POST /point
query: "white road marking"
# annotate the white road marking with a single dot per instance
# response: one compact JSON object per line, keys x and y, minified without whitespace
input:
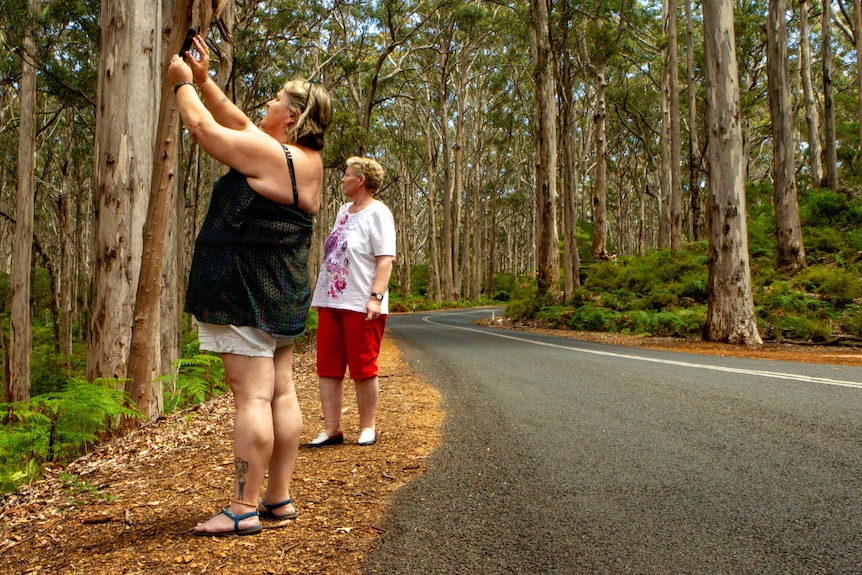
{"x":754,"y":372}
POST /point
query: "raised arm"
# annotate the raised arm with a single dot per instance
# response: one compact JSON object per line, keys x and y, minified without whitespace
{"x":223,"y":110}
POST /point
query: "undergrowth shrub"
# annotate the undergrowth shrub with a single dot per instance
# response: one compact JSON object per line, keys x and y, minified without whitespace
{"x":196,"y":379}
{"x":836,"y":285}
{"x":58,"y":427}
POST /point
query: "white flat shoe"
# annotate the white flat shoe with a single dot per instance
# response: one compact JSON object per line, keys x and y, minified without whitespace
{"x":367,"y":437}
{"x":323,"y":439}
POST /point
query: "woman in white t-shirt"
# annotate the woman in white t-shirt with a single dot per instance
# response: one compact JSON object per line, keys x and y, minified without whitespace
{"x":352,"y":301}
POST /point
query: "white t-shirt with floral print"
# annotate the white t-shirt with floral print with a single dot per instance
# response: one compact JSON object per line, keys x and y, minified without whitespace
{"x":350,"y":258}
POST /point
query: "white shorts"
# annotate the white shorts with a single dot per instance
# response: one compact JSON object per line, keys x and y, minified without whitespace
{"x":239,"y":340}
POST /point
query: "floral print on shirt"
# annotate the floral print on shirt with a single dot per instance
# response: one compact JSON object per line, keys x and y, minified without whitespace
{"x":337,"y":262}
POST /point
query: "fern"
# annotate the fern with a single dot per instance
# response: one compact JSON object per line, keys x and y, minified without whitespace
{"x":195,"y":380}
{"x":57,"y":427}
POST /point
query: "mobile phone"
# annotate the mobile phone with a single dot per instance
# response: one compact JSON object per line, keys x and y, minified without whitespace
{"x":187,"y":43}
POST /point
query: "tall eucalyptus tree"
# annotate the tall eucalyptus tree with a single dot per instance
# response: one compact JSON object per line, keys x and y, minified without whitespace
{"x":567,"y":70}
{"x":791,"y":253}
{"x":126,"y":117}
{"x":21,"y":330}
{"x":812,"y":119}
{"x":673,"y":148}
{"x":605,"y":23}
{"x":547,"y":254}
{"x":694,"y":161}
{"x":730,"y":307}
{"x":830,"y":153}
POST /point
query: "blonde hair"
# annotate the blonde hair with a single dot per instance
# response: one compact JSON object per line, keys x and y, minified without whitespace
{"x":369,"y":168}
{"x":314,"y":105}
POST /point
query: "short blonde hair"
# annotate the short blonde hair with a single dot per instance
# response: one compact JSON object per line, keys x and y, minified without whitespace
{"x":369,"y":168}
{"x":314,"y":105}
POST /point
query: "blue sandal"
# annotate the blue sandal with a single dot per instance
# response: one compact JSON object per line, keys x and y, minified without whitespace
{"x":236,"y":530}
{"x":268,"y":514}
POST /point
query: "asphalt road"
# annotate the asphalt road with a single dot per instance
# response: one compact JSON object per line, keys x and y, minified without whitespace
{"x":562,"y":456}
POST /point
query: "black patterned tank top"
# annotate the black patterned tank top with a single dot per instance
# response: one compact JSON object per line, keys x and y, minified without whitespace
{"x":250,"y":264}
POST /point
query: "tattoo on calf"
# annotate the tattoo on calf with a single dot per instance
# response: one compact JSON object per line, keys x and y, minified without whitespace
{"x":241,"y":468}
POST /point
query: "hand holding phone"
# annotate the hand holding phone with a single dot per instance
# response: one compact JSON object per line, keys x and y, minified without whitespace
{"x":187,"y":43}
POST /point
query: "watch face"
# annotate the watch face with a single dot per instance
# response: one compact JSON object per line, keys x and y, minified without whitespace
{"x":379,"y":296}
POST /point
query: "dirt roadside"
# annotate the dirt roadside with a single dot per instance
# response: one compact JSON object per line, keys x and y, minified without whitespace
{"x":130,"y":506}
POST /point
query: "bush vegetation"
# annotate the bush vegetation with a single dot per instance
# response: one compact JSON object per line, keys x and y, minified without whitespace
{"x":665,"y":294}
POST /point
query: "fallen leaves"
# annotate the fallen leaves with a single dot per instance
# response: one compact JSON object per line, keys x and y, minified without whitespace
{"x":138,"y":497}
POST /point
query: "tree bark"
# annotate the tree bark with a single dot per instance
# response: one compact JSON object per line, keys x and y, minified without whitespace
{"x":547,"y":254}
{"x":830,"y":153}
{"x":730,"y":307}
{"x":600,"y":184}
{"x":791,"y":253}
{"x":126,"y":117}
{"x":447,"y":259}
{"x":435,"y":285}
{"x":66,"y":247}
{"x":21,"y":331}
{"x":693,"y":146}
{"x":812,"y":120}
{"x":675,"y":221}
{"x":857,"y":19}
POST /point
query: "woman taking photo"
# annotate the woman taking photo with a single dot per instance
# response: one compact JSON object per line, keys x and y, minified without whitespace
{"x":248,"y":282}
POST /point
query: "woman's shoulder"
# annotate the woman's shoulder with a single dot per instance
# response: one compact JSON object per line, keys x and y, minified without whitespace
{"x":380,"y":209}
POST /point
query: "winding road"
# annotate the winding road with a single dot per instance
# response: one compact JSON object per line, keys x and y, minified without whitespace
{"x":560,"y":456}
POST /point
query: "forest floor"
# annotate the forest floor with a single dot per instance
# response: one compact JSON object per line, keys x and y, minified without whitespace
{"x":130,"y":506}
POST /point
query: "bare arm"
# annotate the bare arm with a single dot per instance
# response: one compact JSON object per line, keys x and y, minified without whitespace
{"x":223,"y":110}
{"x":226,"y":134}
{"x":379,"y":285}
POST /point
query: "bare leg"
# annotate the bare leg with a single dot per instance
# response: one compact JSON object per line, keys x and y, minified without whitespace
{"x":287,"y":424}
{"x":331,"y":402}
{"x":367,"y":392}
{"x":252,"y":383}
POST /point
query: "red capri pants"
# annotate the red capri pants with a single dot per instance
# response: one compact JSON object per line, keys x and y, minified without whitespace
{"x":345,"y":338}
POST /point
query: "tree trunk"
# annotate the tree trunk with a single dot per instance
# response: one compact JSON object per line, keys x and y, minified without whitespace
{"x":66,"y":247}
{"x":447,"y":260}
{"x":145,"y":351}
{"x":126,"y":117}
{"x":571,"y":258}
{"x":600,"y":185}
{"x":569,"y":170}
{"x":21,"y":331}
{"x":460,"y":237}
{"x":791,"y":253}
{"x":830,"y":153}
{"x":664,"y":178}
{"x":405,"y":247}
{"x":693,"y":146}
{"x":730,"y":307}
{"x":812,"y":119}
{"x":434,"y":288}
{"x":547,"y":254}
{"x":675,"y":220}
{"x":857,"y":18}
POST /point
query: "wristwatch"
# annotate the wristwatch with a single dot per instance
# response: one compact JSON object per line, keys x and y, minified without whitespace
{"x":377,"y":296}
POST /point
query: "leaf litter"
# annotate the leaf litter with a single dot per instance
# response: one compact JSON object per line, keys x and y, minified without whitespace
{"x":129,"y":507}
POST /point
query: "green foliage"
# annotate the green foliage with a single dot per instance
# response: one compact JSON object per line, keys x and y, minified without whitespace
{"x":57,"y":427}
{"x":661,"y":293}
{"x":837,"y":286}
{"x":852,"y":320}
{"x":504,"y":286}
{"x":419,"y":279}
{"x":197,"y":379}
{"x":800,"y":328}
